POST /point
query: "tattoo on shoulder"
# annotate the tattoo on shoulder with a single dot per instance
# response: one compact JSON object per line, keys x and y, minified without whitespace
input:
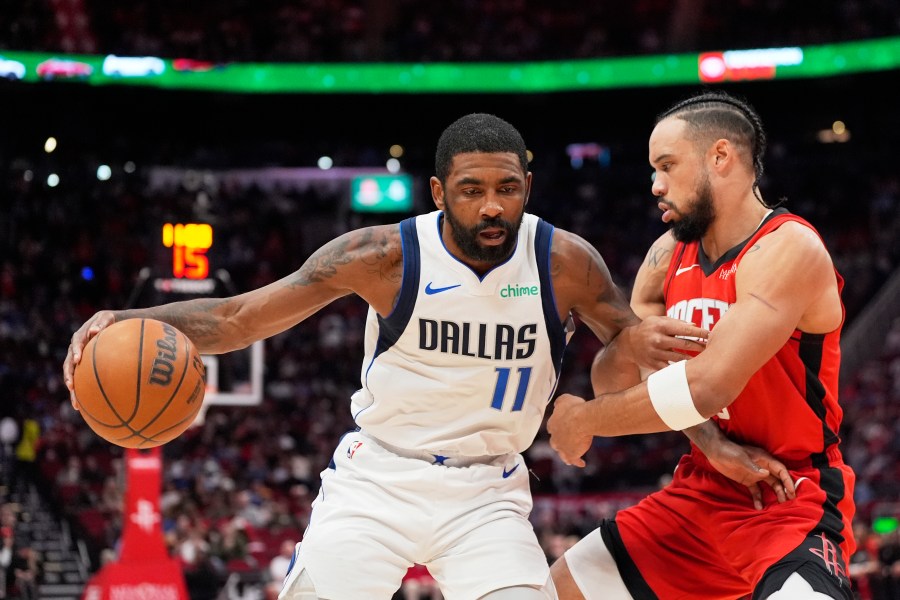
{"x":385,"y":257}
{"x":378,"y":248}
{"x":655,"y":255}
{"x":323,"y":264}
{"x":753,"y":248}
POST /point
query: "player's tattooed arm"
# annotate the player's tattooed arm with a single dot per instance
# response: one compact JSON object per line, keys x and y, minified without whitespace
{"x":583,"y":284}
{"x":325,"y":262}
{"x":367,"y":262}
{"x":197,"y":318}
{"x":221,"y":325}
{"x":657,"y":256}
{"x":647,"y":298}
{"x":371,"y":252}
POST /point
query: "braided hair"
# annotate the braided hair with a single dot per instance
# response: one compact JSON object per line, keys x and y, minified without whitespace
{"x":716,"y":114}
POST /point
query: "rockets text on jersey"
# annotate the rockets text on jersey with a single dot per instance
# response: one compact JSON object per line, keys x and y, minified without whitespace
{"x":702,"y":312}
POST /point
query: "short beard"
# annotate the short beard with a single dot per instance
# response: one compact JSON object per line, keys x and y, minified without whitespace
{"x":692,"y":226}
{"x":467,"y":239}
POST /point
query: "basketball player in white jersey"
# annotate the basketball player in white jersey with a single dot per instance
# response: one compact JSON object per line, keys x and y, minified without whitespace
{"x":471,"y":307}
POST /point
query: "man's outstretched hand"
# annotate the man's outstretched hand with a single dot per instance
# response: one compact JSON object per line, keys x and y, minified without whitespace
{"x":748,"y":465}
{"x":659,"y":341}
{"x":89,"y":329}
{"x":751,"y":466}
{"x":564,"y":427}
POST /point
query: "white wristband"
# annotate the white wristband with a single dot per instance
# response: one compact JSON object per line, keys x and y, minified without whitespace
{"x":671,"y":397}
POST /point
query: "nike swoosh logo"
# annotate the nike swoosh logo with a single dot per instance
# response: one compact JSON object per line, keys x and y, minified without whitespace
{"x":684,"y":269}
{"x":510,"y":472}
{"x":430,"y":290}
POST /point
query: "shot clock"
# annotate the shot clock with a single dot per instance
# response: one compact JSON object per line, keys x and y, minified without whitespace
{"x":189,"y":243}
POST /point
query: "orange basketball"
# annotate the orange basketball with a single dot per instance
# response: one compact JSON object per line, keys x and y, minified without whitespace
{"x":140,"y":383}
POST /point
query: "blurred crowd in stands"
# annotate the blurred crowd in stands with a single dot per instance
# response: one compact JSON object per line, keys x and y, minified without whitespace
{"x":410,"y":31}
{"x":238,"y":487}
{"x":240,"y":484}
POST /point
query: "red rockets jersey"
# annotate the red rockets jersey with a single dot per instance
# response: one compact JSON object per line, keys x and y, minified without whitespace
{"x":789,"y":407}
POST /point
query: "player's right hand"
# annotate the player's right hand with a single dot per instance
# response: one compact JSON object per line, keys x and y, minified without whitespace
{"x":91,"y":327}
{"x":750,"y":466}
{"x":564,"y":427}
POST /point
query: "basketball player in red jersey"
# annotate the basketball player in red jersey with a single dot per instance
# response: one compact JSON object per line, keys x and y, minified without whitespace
{"x":763,"y":282}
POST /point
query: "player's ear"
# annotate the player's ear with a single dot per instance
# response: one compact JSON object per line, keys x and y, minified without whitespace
{"x":721,"y":151}
{"x":437,"y":192}
{"x":527,"y":187}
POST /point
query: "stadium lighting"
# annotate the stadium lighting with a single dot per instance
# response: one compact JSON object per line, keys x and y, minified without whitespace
{"x":715,"y":65}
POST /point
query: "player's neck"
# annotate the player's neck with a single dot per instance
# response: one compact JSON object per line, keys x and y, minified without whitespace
{"x":733,"y":224}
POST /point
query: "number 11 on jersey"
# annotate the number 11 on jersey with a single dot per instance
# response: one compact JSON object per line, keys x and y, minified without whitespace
{"x":503,"y":382}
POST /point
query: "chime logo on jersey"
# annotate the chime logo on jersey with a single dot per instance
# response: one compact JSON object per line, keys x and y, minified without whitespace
{"x":702,"y":312}
{"x":517,"y":290}
{"x":495,"y":341}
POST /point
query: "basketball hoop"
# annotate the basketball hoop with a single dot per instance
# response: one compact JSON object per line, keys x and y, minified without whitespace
{"x":200,"y":419}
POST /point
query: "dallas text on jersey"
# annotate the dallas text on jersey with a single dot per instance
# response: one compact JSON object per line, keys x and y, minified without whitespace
{"x":502,"y":342}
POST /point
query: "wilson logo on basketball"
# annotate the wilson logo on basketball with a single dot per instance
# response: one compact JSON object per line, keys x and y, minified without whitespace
{"x":200,"y":388}
{"x":166,"y":355}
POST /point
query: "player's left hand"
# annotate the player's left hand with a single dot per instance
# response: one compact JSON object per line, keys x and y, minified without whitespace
{"x":659,"y":341}
{"x":750,"y":466}
{"x":564,"y":427}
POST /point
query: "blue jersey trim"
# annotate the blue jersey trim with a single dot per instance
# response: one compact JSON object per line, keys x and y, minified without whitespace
{"x":391,"y":327}
{"x":555,"y":329}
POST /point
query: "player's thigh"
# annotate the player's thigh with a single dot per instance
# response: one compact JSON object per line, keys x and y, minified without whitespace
{"x":343,"y":567}
{"x":588,"y":571}
{"x":298,"y":586}
{"x":365,"y":525}
{"x":801,"y":578}
{"x":490,"y":555}
{"x":797,"y":588}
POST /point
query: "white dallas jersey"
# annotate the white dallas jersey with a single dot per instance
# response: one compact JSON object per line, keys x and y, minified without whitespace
{"x":464,"y":365}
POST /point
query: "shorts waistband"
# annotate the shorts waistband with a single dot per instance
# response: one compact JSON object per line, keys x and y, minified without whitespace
{"x":433,"y":457}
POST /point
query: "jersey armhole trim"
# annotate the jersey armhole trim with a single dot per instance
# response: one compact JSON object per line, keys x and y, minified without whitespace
{"x":392,"y":326}
{"x":556,"y":332}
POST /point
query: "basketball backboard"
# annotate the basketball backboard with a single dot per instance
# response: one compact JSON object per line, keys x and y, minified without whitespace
{"x":236,"y":378}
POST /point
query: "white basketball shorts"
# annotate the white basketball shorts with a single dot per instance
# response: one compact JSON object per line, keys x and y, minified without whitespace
{"x":377,"y":513}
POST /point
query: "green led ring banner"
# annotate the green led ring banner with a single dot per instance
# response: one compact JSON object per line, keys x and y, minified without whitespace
{"x":416,"y":78}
